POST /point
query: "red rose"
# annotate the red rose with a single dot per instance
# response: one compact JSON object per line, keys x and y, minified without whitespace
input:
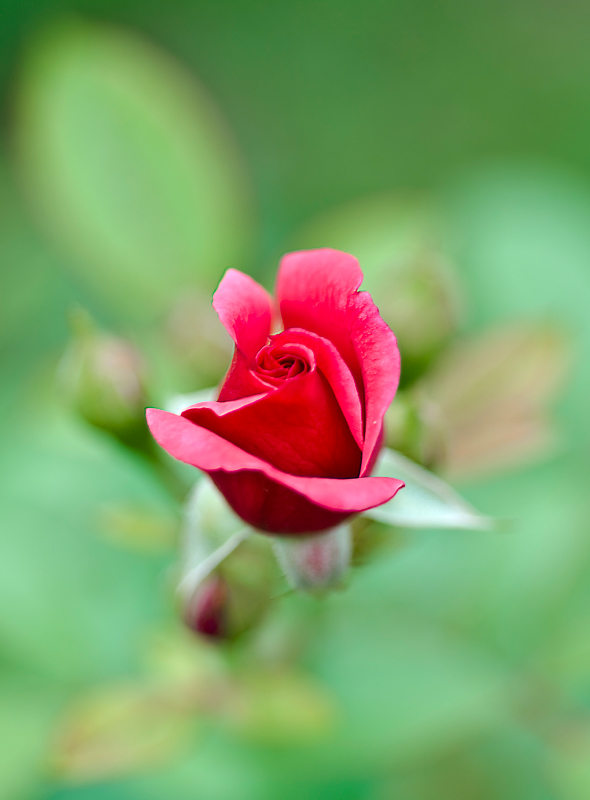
{"x":293,"y":437}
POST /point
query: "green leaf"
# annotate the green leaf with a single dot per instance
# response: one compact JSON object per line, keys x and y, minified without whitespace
{"x":179,"y":402}
{"x":27,"y":711}
{"x":280,"y":707}
{"x":72,"y":606}
{"x":513,"y":225}
{"x":426,"y":501}
{"x":128,"y":166}
{"x":119,"y":729}
{"x":138,"y":528}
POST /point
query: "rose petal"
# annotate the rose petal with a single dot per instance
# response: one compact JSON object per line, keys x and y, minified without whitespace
{"x":317,"y":291}
{"x":267,"y":506}
{"x":339,"y":376}
{"x":245,"y":309}
{"x":222,"y":408}
{"x":240,"y":380}
{"x":298,"y":427}
{"x":223,"y":460}
{"x":277,"y":377}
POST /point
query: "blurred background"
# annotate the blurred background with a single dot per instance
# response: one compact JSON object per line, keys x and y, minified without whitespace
{"x":147,"y":146}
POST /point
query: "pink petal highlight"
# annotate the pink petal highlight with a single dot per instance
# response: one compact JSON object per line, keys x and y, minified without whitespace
{"x":245,"y":309}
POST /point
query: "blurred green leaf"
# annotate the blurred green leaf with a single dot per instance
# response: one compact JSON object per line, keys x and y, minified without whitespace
{"x":196,"y":341}
{"x":569,"y":761}
{"x":491,"y":395}
{"x":406,"y":688}
{"x":507,"y":765}
{"x":138,"y":528}
{"x":35,"y":293}
{"x":71,"y":605}
{"x":425,"y":502}
{"x":27,"y":712}
{"x":120,"y":729}
{"x":540,"y":587}
{"x":520,"y":232}
{"x":280,"y":708}
{"x":128,"y":165}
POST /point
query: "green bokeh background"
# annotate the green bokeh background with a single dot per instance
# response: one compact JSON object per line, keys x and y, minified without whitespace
{"x":459,"y":664}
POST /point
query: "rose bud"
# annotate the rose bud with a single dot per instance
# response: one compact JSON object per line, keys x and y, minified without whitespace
{"x":235,"y":597}
{"x":103,"y":377}
{"x":421,"y":299}
{"x":298,"y":424}
{"x":206,"y":612}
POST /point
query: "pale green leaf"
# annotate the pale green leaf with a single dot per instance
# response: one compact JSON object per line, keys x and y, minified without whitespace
{"x":119,"y":729}
{"x":27,"y":711}
{"x":426,"y":501}
{"x":128,"y":166}
{"x":179,"y":402}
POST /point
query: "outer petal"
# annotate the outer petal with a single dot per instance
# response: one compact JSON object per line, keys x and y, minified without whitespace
{"x":298,"y":427}
{"x":317,"y":291}
{"x":245,"y":309}
{"x":263,"y":495}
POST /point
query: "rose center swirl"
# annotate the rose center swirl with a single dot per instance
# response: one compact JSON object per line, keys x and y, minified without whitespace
{"x":282,"y":362}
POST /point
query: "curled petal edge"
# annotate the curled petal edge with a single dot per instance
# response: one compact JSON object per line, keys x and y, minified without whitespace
{"x":188,"y":442}
{"x":245,"y":309}
{"x":317,"y":290}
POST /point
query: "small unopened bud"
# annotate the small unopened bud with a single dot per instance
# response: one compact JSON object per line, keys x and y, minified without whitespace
{"x":103,"y":377}
{"x":206,"y":611}
{"x":414,"y":427}
{"x":420,"y":303}
{"x":315,"y":562}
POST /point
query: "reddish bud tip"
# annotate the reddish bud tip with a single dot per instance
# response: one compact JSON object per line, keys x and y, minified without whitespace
{"x":206,"y":612}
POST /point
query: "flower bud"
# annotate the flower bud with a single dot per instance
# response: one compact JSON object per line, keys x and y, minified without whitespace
{"x":206,"y":612}
{"x":236,"y":597}
{"x":419,"y":301}
{"x":315,"y":562}
{"x":103,"y":377}
{"x":414,"y":427}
